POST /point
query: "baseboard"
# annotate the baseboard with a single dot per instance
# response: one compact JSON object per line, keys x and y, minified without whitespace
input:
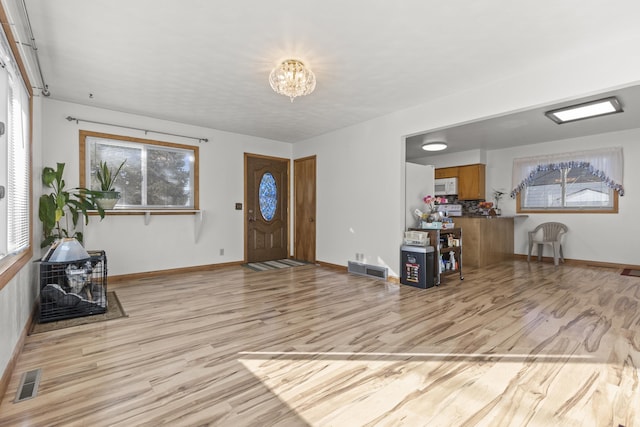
{"x":341,"y":268}
{"x":582,"y":262}
{"x":8,"y":371}
{"x":122,"y":278}
{"x":393,"y":279}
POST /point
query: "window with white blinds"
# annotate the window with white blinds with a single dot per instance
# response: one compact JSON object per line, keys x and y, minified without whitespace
{"x":14,"y":156}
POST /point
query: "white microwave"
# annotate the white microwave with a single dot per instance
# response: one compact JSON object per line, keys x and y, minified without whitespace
{"x":446,"y":186}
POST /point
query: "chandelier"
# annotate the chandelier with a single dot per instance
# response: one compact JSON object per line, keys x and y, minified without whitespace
{"x":292,"y":79}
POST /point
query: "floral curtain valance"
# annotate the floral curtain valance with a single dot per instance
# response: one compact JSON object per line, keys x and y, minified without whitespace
{"x":607,"y":163}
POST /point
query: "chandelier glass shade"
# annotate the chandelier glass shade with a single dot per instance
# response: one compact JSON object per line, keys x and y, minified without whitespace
{"x":292,"y":79}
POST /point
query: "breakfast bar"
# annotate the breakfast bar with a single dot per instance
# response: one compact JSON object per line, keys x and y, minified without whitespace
{"x":487,"y":239}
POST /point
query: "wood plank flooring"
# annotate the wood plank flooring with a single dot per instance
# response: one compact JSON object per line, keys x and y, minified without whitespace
{"x":514,"y":345}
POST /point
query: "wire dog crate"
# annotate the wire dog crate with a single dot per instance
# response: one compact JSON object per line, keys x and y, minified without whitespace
{"x":73,"y":289}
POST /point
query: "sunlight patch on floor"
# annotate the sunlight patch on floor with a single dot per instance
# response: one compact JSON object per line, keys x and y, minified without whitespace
{"x":356,"y":388}
{"x":329,"y":391}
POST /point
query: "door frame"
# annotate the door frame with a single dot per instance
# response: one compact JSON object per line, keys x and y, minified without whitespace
{"x":246,"y":197}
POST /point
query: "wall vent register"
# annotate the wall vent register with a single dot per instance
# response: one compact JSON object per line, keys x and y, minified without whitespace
{"x":367,"y":270}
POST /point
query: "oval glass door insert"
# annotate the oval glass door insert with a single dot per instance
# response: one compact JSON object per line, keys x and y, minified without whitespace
{"x":268,"y":196}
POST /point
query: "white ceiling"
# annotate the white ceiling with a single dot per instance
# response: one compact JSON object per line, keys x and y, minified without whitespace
{"x":206,"y":62}
{"x":528,"y":127}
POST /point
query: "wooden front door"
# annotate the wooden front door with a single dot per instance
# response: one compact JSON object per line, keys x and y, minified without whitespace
{"x":266,"y":208}
{"x":304,"y":172}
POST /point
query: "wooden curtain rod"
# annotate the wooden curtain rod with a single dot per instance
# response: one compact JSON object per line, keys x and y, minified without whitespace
{"x":146,"y":131}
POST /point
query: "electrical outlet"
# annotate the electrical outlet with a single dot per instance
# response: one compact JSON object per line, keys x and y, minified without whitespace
{"x":221,"y":251}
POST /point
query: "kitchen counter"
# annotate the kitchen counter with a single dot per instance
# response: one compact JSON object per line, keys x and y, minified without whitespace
{"x":486,"y":240}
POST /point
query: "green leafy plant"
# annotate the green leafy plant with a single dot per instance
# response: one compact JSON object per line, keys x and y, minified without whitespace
{"x":107,"y":177}
{"x":62,"y":204}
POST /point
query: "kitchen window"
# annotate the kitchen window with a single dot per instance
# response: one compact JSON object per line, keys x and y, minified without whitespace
{"x":156,"y":175}
{"x":588,"y":182}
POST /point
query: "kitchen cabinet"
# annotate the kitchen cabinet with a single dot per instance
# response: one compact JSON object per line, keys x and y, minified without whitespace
{"x":446,"y":172}
{"x":471,"y":182}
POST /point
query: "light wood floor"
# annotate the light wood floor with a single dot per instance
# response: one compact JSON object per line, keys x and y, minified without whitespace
{"x":513,"y":345}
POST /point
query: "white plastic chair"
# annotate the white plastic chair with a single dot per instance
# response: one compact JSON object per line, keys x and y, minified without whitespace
{"x":552,"y":233}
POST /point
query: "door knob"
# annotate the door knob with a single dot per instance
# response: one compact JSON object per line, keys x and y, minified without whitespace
{"x":310,"y":219}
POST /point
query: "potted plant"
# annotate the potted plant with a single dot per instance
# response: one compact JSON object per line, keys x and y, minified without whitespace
{"x":62,"y":203}
{"x":107,"y":195}
{"x":497,"y":195}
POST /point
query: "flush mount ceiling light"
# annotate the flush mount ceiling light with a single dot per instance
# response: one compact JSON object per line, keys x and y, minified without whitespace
{"x":292,"y":79}
{"x":587,"y":110}
{"x":434,"y":146}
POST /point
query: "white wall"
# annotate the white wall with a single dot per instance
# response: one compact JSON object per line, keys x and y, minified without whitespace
{"x":16,"y":302}
{"x":591,"y":237}
{"x":360,"y":193}
{"x":168,"y":241}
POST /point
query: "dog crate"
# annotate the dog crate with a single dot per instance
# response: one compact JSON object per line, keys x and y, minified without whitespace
{"x":73,"y":289}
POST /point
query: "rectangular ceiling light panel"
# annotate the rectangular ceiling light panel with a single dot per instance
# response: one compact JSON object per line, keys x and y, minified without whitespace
{"x":587,"y":110}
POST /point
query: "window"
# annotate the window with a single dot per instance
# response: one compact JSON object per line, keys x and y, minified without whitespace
{"x":15,"y":149}
{"x":156,"y":175}
{"x":268,"y":196}
{"x":575,"y":182}
{"x":567,"y":189}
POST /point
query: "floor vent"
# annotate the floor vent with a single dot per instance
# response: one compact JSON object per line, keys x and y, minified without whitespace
{"x":28,"y":385}
{"x":367,"y":270}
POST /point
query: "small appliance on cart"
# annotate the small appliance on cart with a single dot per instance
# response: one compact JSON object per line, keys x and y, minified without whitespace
{"x":416,"y":260}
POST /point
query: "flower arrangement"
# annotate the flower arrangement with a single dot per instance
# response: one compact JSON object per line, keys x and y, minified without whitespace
{"x":432,"y":201}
